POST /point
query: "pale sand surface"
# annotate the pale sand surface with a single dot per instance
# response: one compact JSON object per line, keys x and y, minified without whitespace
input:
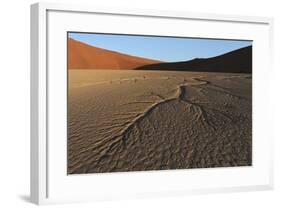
{"x":126,"y":120}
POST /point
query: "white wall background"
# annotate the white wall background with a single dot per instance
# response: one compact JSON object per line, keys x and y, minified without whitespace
{"x":14,"y":102}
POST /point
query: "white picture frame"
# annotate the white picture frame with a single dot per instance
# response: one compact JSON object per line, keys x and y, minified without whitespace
{"x":49,"y":182}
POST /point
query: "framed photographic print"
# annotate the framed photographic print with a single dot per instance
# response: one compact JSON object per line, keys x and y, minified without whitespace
{"x":133,"y":103}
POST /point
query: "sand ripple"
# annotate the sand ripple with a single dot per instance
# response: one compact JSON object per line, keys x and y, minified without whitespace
{"x":136,"y":121}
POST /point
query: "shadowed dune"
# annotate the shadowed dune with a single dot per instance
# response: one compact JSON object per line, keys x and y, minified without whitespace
{"x":83,"y":56}
{"x":238,"y":61}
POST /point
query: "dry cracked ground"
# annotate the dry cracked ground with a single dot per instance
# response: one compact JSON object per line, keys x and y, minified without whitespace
{"x":151,"y":120}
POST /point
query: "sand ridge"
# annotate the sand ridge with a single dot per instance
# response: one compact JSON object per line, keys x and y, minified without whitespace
{"x":83,"y":56}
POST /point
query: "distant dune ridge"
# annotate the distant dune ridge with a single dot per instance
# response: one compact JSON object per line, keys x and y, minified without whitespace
{"x":83,"y":56}
{"x":237,"y":61}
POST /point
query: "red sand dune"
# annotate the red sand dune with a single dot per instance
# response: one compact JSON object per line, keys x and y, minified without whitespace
{"x":83,"y":56}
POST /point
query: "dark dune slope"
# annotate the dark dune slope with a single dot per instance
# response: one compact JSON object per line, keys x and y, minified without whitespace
{"x":238,"y":61}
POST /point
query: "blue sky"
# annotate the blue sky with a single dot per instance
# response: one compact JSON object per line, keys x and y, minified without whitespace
{"x":161,"y":48}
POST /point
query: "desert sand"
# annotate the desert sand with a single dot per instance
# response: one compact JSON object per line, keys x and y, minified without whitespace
{"x":134,"y":120}
{"x":84,"y":56}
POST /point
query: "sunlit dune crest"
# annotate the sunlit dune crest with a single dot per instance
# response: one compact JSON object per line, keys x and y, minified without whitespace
{"x":83,"y":56}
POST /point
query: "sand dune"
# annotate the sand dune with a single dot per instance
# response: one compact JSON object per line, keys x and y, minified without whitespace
{"x":83,"y":56}
{"x":238,"y":61}
{"x":155,"y":120}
